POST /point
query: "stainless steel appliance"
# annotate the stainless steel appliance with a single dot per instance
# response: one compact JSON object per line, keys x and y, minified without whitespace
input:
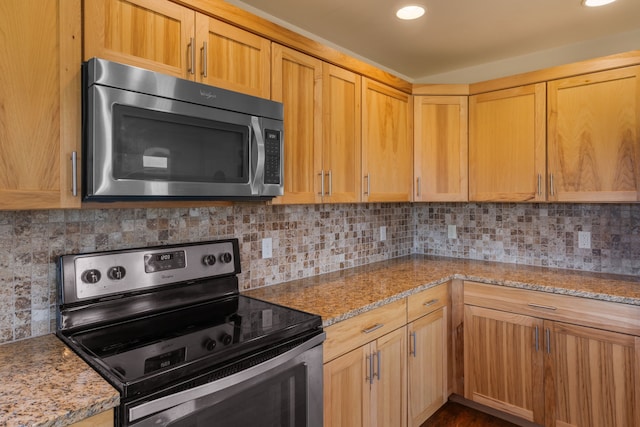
{"x":167,"y":327}
{"x":147,"y":135}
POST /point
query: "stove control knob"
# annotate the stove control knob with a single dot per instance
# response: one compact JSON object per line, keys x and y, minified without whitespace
{"x":91,"y":276}
{"x":209,"y":260}
{"x":116,"y":273}
{"x":226,"y":257}
{"x":209,"y":344}
{"x":226,"y":339}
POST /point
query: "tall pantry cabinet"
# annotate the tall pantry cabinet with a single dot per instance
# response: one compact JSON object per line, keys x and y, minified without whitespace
{"x":40,"y":46}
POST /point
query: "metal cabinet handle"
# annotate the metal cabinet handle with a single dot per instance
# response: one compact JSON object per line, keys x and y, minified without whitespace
{"x":428,"y":303}
{"x":373,"y":328}
{"x":547,"y":336}
{"x":74,"y":173}
{"x":551,"y":185}
{"x":419,"y":187}
{"x":377,"y":356}
{"x":330,"y":183}
{"x":539,"y":184}
{"x":191,"y":59}
{"x":203,"y":52}
{"x":412,"y":352}
{"x":368,"y":178}
{"x":321,"y":174}
{"x":537,"y":339}
{"x":544,"y":307}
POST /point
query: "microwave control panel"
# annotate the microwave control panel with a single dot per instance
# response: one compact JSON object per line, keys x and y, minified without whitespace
{"x":272,"y":157}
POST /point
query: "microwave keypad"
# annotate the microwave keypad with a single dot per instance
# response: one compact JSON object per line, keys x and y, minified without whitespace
{"x":272,"y":157}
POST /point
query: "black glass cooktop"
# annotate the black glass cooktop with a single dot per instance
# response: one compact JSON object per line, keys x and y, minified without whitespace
{"x":191,"y":339}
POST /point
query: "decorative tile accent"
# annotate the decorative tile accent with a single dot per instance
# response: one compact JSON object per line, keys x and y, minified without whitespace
{"x":307,"y":240}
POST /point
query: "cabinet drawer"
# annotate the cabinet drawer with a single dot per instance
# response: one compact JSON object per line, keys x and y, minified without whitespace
{"x":344,"y":336}
{"x":427,"y":301}
{"x":624,"y":318}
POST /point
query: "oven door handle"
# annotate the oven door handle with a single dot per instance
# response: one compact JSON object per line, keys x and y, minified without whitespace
{"x":166,"y":402}
{"x":256,"y":182}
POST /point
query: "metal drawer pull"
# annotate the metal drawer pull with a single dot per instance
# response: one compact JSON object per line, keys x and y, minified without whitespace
{"x":545,"y":307}
{"x":373,"y":328}
{"x":433,"y":301}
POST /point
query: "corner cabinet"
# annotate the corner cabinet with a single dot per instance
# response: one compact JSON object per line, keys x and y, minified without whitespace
{"x":387,"y":143}
{"x":40,"y":104}
{"x":594,"y":137}
{"x":507,"y":151}
{"x":440,"y":148}
{"x":163,"y":36}
{"x":555,"y":360}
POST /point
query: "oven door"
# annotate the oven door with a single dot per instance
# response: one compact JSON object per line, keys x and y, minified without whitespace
{"x":142,"y":146}
{"x":285,"y":391}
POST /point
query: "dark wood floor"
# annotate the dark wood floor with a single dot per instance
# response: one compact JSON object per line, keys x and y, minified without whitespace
{"x":453,"y":414}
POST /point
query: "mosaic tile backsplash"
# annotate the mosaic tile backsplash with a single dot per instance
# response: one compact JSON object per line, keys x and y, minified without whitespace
{"x":308,"y":240}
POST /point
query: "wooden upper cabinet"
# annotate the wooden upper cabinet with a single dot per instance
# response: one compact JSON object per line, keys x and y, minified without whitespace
{"x":297,"y":83}
{"x":387,"y":143}
{"x":232,"y":58}
{"x":440,"y":148}
{"x":152,"y":34}
{"x":341,"y":147}
{"x":39,"y":103}
{"x":594,"y":137}
{"x":507,"y":135}
{"x":163,"y":36}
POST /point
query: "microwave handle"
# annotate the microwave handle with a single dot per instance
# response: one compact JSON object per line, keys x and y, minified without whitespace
{"x":259,"y":141}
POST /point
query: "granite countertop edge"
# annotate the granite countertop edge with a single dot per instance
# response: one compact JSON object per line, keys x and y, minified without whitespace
{"x":310,"y":294}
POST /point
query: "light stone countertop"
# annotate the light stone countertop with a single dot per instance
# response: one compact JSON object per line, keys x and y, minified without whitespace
{"x":346,"y":293}
{"x":44,"y":383}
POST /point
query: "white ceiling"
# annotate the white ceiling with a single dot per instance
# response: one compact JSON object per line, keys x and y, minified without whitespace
{"x":461,"y":41}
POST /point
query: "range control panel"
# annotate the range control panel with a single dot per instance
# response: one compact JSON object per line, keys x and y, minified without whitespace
{"x":94,"y":275}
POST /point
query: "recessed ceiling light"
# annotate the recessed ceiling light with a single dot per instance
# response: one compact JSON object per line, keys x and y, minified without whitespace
{"x":596,"y":3}
{"x":410,"y":12}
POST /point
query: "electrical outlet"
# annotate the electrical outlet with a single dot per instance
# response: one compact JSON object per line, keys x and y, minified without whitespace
{"x":452,"y":232}
{"x":584,"y":240}
{"x":383,"y":233}
{"x":267,"y":248}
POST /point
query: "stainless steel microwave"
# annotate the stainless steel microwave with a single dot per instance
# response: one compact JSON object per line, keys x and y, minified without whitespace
{"x":147,"y":135}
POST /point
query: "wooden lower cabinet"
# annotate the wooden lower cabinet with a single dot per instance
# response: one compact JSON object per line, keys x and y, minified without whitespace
{"x":103,"y":419}
{"x":551,"y":372}
{"x":592,"y":377}
{"x":367,"y":386}
{"x":427,"y":366}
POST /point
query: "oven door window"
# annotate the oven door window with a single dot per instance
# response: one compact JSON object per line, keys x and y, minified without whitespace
{"x":273,"y":401}
{"x":154,"y":145}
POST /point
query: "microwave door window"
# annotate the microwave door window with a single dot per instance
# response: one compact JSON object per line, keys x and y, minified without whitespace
{"x":159,"y":146}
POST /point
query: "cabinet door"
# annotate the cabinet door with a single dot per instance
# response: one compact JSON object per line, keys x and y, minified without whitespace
{"x":152,"y":34}
{"x":593,"y":377}
{"x":387,"y":146}
{"x":232,"y":58}
{"x":594,"y":137}
{"x":389,"y":401}
{"x":347,"y":389}
{"x":440,"y":148}
{"x":507,"y":145}
{"x":503,"y":362}
{"x":341,"y":147}
{"x":39,"y":102}
{"x":297,"y":83}
{"x":427,"y":366}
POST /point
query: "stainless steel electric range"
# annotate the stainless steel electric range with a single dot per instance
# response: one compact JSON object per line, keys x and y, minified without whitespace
{"x":168,"y":328}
